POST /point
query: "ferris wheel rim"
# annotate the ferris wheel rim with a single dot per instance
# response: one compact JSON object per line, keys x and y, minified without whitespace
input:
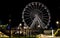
{"x":27,"y":7}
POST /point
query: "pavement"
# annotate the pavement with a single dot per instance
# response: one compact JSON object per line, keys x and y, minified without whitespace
{"x":3,"y":35}
{"x":38,"y":36}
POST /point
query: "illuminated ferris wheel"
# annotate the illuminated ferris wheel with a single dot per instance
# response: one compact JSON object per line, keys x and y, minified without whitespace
{"x":36,"y":14}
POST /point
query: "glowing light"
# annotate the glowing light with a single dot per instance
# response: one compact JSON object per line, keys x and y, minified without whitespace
{"x":57,"y":22}
{"x":20,"y":24}
{"x":9,"y":20}
{"x":38,"y":25}
{"x":20,"y":32}
{"x":25,"y":27}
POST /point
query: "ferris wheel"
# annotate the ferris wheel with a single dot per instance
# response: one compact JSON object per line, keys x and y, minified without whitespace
{"x":36,"y":14}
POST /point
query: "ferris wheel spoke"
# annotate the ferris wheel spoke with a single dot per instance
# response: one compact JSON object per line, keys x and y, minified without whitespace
{"x":30,"y":6}
{"x":45,"y":21}
{"x":45,"y":16}
{"x":33,"y":5}
{"x":37,"y":5}
{"x":27,"y":21}
{"x":42,"y":8}
{"x":30,"y":23}
{"x":26,"y":18}
{"x":29,"y":9}
{"x":45,"y":13}
{"x":26,"y":13}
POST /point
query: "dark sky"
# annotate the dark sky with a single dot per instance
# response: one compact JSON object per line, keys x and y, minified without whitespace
{"x":15,"y":10}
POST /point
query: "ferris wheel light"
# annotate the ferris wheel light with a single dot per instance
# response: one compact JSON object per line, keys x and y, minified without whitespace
{"x":57,"y":22}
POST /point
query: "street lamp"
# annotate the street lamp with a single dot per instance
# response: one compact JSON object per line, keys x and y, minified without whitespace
{"x":57,"y":22}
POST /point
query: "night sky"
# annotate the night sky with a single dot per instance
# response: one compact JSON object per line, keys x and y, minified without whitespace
{"x":14,"y":11}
